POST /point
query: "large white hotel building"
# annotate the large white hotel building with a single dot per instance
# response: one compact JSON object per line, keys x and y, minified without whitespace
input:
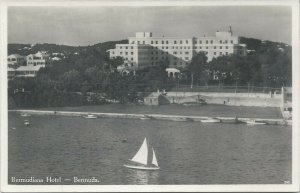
{"x":144,"y":50}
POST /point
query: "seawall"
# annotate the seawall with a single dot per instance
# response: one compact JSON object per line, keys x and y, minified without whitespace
{"x":153,"y":116}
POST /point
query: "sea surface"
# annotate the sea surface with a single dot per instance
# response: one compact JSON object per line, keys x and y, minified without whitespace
{"x":187,"y":152}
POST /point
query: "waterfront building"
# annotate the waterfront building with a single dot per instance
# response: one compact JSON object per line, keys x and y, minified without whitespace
{"x":15,"y":60}
{"x":145,"y":50}
{"x":40,"y":59}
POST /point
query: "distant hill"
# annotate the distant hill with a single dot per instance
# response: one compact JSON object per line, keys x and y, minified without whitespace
{"x":26,"y":49}
{"x":257,"y":44}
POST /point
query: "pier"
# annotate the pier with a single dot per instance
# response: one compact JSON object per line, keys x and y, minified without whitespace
{"x":233,"y":120}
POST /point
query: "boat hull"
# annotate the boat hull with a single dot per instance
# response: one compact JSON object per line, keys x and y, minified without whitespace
{"x":141,"y":167}
{"x":90,"y":117}
{"x":25,"y":115}
{"x":255,"y":123}
{"x":145,"y":118}
{"x":210,"y":121}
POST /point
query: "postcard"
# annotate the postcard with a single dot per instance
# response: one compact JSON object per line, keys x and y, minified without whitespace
{"x":149,"y":96}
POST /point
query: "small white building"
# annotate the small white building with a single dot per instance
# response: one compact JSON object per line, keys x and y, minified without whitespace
{"x":40,"y":59}
{"x":27,"y":71}
{"x":173,"y":72}
{"x":56,"y":59}
{"x":15,"y":60}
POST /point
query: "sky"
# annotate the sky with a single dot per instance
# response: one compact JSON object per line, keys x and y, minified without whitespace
{"x":91,"y":25}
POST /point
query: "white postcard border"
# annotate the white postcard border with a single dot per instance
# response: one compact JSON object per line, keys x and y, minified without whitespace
{"x":5,"y":187}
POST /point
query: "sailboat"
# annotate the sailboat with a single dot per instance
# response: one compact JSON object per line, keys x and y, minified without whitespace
{"x":141,"y":157}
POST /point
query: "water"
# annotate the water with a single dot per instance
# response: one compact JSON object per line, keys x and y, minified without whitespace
{"x":187,"y":152}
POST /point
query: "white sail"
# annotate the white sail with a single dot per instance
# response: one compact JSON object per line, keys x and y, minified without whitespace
{"x":142,"y":155}
{"x":154,"y":160}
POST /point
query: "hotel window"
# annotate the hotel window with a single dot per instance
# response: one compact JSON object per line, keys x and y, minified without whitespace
{"x":174,"y":52}
{"x":215,"y":47}
{"x":162,"y":42}
{"x":126,"y":47}
{"x":186,"y":58}
{"x":167,"y":42}
{"x":113,"y":52}
{"x":172,"y":47}
{"x":220,"y":53}
{"x":184,"y":47}
{"x":200,"y":47}
{"x":211,"y":41}
{"x":167,"y":47}
{"x":121,"y":53}
{"x":156,"y":42}
{"x":143,"y":42}
{"x":195,"y":47}
{"x":206,"y":47}
{"x":215,"y":53}
{"x":151,"y":42}
{"x":120,"y":47}
{"x":220,"y":41}
{"x":195,"y":42}
{"x":226,"y":53}
{"x":188,"y":47}
{"x":206,"y":41}
{"x":187,"y":41}
{"x":226,"y":47}
{"x":225,"y":41}
{"x":180,"y":41}
{"x":175,"y":42}
{"x":232,"y":41}
{"x":186,"y":52}
{"x":131,"y":59}
{"x":180,"y":52}
{"x":200,"y":42}
{"x":132,"y":42}
{"x":131,"y":53}
{"x":220,"y":47}
{"x":138,"y":42}
{"x":163,"y":47}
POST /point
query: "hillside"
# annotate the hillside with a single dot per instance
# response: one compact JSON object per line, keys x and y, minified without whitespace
{"x":259,"y":45}
{"x":26,"y":49}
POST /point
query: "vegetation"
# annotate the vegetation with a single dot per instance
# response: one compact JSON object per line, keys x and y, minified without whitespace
{"x":90,"y":77}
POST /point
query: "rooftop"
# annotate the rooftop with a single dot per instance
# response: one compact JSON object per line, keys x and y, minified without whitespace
{"x":28,"y":68}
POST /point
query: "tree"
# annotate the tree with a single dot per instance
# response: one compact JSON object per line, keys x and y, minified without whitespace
{"x":198,"y":68}
{"x":115,"y":62}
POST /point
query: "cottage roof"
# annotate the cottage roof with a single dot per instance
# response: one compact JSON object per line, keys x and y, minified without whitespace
{"x":15,"y":56}
{"x":28,"y":68}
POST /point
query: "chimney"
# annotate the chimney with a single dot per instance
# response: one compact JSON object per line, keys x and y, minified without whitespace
{"x":230,"y":29}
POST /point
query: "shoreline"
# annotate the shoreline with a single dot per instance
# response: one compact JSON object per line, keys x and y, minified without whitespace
{"x":183,"y":118}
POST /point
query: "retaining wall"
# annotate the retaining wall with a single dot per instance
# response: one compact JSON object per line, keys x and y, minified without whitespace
{"x":232,"y":99}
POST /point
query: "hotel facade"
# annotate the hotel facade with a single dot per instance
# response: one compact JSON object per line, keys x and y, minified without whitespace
{"x":145,"y":50}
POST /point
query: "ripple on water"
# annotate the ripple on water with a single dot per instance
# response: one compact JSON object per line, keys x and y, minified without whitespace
{"x":188,"y":153}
